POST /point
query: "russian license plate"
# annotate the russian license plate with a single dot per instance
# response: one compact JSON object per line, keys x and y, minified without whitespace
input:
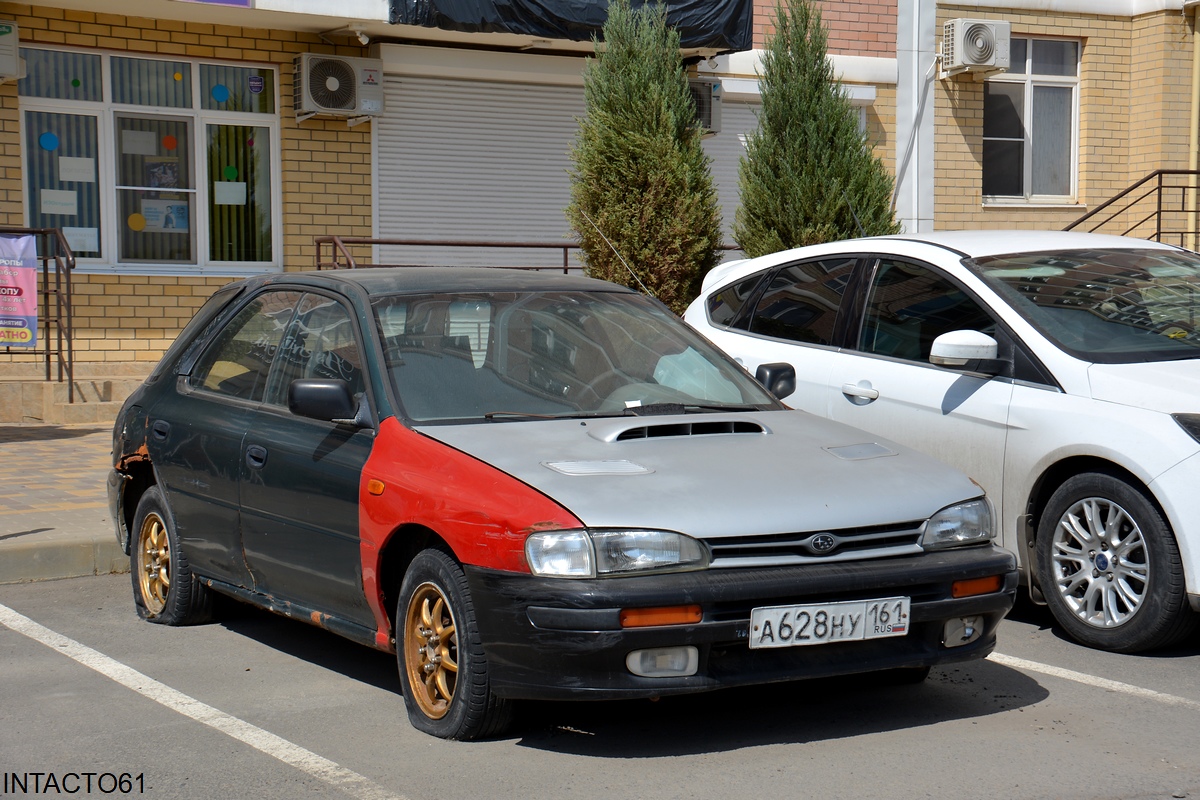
{"x":822,"y":623}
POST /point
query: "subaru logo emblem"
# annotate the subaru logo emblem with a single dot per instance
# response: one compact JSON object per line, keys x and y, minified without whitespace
{"x":822,"y":543}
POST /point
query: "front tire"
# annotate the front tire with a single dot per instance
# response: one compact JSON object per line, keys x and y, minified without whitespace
{"x":1109,"y":567}
{"x":164,"y":589}
{"x":443,"y":669}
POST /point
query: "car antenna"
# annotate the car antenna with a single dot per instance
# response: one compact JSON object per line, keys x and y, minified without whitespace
{"x":846,"y":197}
{"x":616,"y":252}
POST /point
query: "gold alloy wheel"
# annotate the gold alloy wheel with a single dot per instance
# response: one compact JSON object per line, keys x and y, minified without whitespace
{"x":431,"y":650}
{"x":154,"y":563}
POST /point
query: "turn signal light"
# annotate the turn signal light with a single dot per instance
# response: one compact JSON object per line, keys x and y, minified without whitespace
{"x":976,"y":586}
{"x":668,"y":615}
{"x":375,"y":487}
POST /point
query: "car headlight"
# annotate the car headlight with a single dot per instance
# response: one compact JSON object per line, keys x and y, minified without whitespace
{"x":590,"y":553}
{"x":965,"y":523}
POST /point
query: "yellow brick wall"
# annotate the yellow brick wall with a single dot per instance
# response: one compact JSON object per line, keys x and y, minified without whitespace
{"x":1134,"y":81}
{"x":326,"y":172}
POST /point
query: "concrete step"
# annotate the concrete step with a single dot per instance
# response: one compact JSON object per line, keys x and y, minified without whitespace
{"x":98,"y":396}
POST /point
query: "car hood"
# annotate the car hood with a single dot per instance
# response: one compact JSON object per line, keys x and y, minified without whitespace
{"x":716,"y":475}
{"x":1168,"y":386}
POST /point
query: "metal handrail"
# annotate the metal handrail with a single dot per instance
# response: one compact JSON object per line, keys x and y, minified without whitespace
{"x":1155,"y":191}
{"x":60,"y":293}
{"x":340,"y":256}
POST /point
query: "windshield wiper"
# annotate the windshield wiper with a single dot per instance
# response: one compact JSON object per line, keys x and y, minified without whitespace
{"x":657,"y":409}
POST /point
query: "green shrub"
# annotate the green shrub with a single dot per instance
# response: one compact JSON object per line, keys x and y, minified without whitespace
{"x":640,"y":178}
{"x":808,"y":171}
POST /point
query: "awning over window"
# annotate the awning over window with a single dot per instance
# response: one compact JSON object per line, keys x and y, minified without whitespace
{"x":721,"y":25}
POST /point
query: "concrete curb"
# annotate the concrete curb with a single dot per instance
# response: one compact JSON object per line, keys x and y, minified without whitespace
{"x":44,"y":559}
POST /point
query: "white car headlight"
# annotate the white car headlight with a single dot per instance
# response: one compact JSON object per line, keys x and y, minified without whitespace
{"x":595,"y":553}
{"x":965,"y":523}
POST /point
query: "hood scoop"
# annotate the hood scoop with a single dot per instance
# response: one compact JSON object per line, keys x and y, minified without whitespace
{"x":702,"y":427}
{"x":615,"y":467}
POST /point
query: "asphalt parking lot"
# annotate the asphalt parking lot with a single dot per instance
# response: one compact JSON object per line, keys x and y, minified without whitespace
{"x":257,"y":704}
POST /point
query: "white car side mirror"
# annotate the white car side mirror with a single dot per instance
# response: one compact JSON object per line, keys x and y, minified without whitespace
{"x":956,"y":348}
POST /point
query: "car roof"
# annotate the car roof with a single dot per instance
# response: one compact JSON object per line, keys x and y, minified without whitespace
{"x":977,"y":243}
{"x":419,"y":280}
{"x":963,"y":244}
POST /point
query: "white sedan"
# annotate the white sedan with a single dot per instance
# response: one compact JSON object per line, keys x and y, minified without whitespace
{"x":1060,"y":370}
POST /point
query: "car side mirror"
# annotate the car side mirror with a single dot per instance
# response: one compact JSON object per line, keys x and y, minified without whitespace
{"x":969,"y":351}
{"x":779,"y":378}
{"x":326,"y":400}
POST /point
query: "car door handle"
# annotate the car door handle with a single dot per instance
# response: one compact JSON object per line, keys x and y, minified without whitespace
{"x":161,"y":428}
{"x":861,"y":389}
{"x":256,"y":456}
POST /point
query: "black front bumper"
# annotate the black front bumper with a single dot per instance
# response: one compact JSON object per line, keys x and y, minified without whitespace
{"x":551,"y":638}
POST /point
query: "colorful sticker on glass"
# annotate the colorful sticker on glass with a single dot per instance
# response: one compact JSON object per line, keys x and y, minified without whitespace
{"x":256,"y":84}
{"x":18,"y":291}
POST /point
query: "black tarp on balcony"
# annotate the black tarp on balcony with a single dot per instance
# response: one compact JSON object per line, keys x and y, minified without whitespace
{"x":722,"y":25}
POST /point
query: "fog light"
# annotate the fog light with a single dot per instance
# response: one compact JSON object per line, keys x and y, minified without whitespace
{"x":963,"y":630}
{"x":664,"y":662}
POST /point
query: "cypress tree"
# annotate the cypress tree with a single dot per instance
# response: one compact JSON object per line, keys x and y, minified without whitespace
{"x":640,"y":178}
{"x":808,"y":174}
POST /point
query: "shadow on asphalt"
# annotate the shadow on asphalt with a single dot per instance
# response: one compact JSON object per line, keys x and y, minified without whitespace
{"x":310,"y":643}
{"x":803,"y":711}
{"x":1026,"y":611}
{"x":786,"y":713}
{"x":41,"y":433}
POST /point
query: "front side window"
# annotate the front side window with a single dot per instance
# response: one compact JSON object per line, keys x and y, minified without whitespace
{"x":238,"y":361}
{"x":321,"y":344}
{"x":910,"y":305}
{"x":146,"y":162}
{"x":1030,"y":123}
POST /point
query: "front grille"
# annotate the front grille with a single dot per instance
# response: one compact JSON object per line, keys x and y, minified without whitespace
{"x":816,"y":547}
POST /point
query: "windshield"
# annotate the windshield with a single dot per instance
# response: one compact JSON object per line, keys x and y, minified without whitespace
{"x":516,"y":355}
{"x":1109,"y":306}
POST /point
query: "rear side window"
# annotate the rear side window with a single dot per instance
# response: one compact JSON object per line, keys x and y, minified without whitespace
{"x":800,"y":303}
{"x":726,"y":305}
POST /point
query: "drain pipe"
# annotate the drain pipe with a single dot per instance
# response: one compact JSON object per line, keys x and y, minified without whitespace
{"x":1194,"y":123}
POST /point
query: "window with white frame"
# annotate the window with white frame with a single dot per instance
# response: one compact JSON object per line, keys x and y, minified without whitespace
{"x":1030,"y":123}
{"x":148,"y":162}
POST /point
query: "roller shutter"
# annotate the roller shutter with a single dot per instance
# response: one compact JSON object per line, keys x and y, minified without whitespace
{"x":477,"y":161}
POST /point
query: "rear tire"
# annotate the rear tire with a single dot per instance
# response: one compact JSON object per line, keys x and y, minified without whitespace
{"x":443,"y":669}
{"x":1109,"y":567}
{"x":164,"y":589}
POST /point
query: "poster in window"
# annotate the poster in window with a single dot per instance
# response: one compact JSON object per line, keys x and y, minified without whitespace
{"x":162,"y":173}
{"x":18,"y":291}
{"x":165,"y":216}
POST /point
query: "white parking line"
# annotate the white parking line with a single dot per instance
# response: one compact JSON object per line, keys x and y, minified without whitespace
{"x":1092,"y":680}
{"x":277,"y":747}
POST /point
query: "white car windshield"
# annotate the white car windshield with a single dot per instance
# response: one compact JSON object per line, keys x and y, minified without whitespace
{"x":512,"y":355}
{"x":1105,"y":305}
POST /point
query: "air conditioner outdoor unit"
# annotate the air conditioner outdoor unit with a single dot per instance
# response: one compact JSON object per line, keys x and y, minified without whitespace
{"x":974,"y":45}
{"x":706,"y":94}
{"x":337,"y":86}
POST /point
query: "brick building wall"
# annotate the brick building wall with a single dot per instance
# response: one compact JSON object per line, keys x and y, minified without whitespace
{"x":1133,"y":115}
{"x":326,"y":173}
{"x":866,"y":28}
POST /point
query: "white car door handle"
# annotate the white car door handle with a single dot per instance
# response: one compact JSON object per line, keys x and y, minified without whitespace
{"x":859,"y":390}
